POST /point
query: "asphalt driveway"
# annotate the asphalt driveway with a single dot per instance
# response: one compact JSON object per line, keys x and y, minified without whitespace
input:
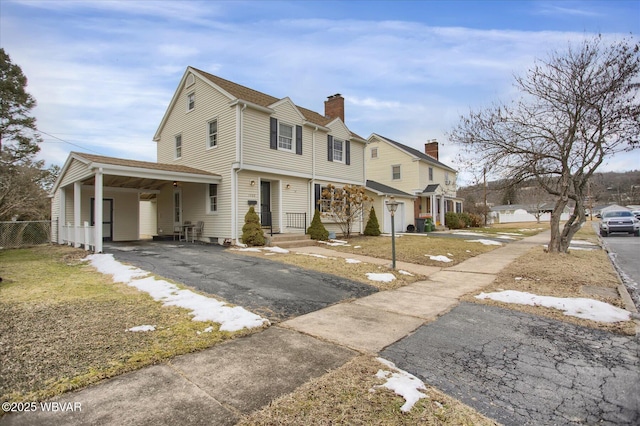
{"x":273,"y":290}
{"x":521,"y":369}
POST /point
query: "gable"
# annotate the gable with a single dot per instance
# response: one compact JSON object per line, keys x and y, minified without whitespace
{"x":286,"y":111}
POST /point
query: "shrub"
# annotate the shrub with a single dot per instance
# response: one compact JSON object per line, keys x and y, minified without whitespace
{"x":373,"y":227}
{"x":465,"y":218}
{"x":452,"y":221}
{"x":316,"y":230}
{"x":252,"y":234}
{"x":477,"y":220}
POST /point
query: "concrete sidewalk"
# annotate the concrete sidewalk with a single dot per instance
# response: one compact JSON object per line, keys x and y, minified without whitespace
{"x":220,"y":384}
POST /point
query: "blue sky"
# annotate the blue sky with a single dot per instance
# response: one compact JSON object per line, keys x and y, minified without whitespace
{"x":103,"y":72}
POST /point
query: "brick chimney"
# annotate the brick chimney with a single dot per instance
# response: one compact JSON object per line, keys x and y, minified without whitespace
{"x":334,"y":107}
{"x":431,"y":148}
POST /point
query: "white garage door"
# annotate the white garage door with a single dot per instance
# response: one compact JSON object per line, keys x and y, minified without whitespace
{"x":399,"y":219}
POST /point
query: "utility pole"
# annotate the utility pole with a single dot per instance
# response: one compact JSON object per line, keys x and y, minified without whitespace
{"x":484,"y":176}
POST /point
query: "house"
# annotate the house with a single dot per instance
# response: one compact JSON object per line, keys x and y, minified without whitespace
{"x":221,"y":148}
{"x":381,"y":194}
{"x":513,"y":213}
{"x":422,"y":175}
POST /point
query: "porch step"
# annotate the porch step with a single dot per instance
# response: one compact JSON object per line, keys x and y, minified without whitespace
{"x":287,"y":241}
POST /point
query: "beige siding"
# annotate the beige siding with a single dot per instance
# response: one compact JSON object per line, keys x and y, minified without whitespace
{"x":55,"y":215}
{"x":165,"y":210}
{"x":256,"y":138}
{"x":126,"y":215}
{"x":383,"y":215}
{"x":337,"y":170}
{"x":148,"y":218}
{"x":380,"y":169}
{"x":76,"y":171}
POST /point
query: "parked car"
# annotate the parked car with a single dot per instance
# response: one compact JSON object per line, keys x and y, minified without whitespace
{"x":619,"y":221}
{"x":636,"y":213}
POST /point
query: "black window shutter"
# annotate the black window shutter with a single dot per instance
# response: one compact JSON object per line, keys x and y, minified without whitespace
{"x":347,"y":152}
{"x":317,"y":196}
{"x":274,"y":134}
{"x":299,"y":140}
{"x":330,"y":147}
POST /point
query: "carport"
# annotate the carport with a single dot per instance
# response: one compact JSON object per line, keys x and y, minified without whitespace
{"x":94,"y":189}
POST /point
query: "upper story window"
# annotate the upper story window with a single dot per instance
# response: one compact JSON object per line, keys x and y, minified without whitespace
{"x":178,"y":146}
{"x":212,"y":199}
{"x":338,"y":150}
{"x":447,"y":181}
{"x":191,"y":101}
{"x":285,"y":137}
{"x":190,"y":80}
{"x":430,"y":174}
{"x":395,"y":172}
{"x":212,"y":133}
{"x":374,"y":152}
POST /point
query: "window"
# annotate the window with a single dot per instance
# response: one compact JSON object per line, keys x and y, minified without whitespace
{"x":212,"y":133}
{"x":395,"y":172}
{"x":191,"y":101}
{"x":285,"y":137}
{"x":374,"y":152}
{"x":212,"y":198}
{"x":338,"y":146}
{"x":446,"y":178}
{"x":178,"y":146}
{"x":430,"y":174}
{"x":190,"y":80}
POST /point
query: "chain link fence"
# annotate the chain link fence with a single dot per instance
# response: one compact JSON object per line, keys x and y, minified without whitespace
{"x":24,"y":234}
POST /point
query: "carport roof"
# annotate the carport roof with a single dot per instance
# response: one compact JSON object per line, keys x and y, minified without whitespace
{"x":382,"y":189}
{"x":143,"y":175}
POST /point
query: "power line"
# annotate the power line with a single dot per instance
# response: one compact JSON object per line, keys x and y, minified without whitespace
{"x":70,"y":143}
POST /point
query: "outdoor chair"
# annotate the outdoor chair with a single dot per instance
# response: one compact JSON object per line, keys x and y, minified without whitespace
{"x":197,"y":231}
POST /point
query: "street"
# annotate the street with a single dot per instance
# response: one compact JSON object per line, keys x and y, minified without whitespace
{"x":521,"y":369}
{"x":624,"y":249}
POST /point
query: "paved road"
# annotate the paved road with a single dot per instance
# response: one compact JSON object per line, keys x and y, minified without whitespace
{"x":271,"y":289}
{"x":522,"y":369}
{"x":625,"y":251}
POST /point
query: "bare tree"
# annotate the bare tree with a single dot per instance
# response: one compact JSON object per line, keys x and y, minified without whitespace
{"x":576,"y":109}
{"x":345,"y":205}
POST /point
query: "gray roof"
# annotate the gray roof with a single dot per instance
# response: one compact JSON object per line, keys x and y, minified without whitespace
{"x":431,"y":188}
{"x":387,"y":190}
{"x":421,"y":155}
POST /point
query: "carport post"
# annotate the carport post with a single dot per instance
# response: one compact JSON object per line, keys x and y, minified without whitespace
{"x":77,"y":203}
{"x":97,"y":226}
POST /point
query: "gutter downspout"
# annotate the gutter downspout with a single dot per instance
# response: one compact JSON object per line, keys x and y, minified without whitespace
{"x":236,"y":168}
{"x":313,"y":177}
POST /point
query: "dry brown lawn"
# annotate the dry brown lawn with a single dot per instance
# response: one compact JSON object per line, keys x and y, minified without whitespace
{"x":580,"y":273}
{"x":348,"y":395}
{"x":64,"y":325}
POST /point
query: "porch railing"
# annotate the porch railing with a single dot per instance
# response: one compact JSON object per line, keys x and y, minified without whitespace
{"x":78,"y":235}
{"x":297,"y":221}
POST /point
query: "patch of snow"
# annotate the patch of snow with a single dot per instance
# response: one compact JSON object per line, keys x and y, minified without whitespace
{"x":405,"y":273}
{"x":276,"y":250}
{"x":203,"y":308}
{"x":402,"y":383}
{"x":518,"y":278}
{"x":208,"y":329}
{"x":468,"y":251}
{"x":439,"y":258}
{"x":251,"y":249}
{"x":475,"y":234}
{"x":143,"y":328}
{"x":515,"y":234}
{"x":353,"y":261}
{"x":485,"y":242}
{"x":505,"y":237}
{"x":583,"y":243}
{"x":357,"y":246}
{"x":125,"y":248}
{"x":571,"y":247}
{"x":269,"y":254}
{"x":314,"y":255}
{"x":385,"y":277}
{"x":106,"y":264}
{"x":574,"y":306}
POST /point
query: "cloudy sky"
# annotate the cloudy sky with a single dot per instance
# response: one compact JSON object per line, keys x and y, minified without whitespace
{"x":103,"y":72}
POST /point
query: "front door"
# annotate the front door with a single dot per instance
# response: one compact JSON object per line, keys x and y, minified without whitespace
{"x":265,"y":203}
{"x":107,"y":218}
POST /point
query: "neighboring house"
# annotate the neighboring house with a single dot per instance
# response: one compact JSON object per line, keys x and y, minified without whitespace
{"x":513,"y":213}
{"x":222,"y":148}
{"x":416,"y":173}
{"x":381,"y":194}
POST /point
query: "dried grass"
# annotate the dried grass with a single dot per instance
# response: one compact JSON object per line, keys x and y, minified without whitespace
{"x":64,"y":325}
{"x":343,"y":396}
